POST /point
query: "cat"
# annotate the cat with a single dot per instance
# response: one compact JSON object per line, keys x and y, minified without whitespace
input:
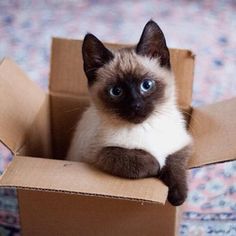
{"x":133,"y":127}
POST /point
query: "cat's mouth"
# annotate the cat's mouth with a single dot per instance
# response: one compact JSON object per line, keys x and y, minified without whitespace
{"x":135,"y":117}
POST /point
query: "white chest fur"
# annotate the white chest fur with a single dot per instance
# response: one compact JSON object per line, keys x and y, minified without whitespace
{"x":161,"y":135}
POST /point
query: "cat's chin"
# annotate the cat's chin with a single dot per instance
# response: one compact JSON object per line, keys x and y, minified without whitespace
{"x":135,"y":119}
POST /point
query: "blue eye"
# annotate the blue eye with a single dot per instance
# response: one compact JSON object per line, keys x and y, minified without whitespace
{"x":147,"y":85}
{"x":116,"y":91}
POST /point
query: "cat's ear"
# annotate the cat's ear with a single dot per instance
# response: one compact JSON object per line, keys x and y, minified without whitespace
{"x":95,"y":55}
{"x":153,"y":44}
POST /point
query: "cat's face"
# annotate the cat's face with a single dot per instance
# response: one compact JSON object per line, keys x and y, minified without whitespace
{"x":130,"y":83}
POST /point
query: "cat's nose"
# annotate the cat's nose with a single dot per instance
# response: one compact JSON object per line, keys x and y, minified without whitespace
{"x":137,"y":106}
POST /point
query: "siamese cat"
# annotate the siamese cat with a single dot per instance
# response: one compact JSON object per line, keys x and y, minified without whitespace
{"x":133,"y":127}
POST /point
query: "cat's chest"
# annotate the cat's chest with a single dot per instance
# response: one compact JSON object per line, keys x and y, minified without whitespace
{"x":160,"y":136}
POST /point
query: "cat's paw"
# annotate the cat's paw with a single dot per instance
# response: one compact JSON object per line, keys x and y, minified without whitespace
{"x":143,"y":165}
{"x":127,"y":163}
{"x":177,"y":195}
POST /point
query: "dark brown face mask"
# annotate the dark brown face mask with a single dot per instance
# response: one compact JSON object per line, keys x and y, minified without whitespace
{"x":132,"y":98}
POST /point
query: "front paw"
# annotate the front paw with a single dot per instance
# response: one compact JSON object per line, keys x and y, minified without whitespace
{"x":142,"y":165}
{"x":177,"y":195}
{"x":127,"y":163}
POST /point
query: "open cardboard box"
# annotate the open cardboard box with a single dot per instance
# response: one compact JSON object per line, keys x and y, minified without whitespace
{"x":58,"y":197}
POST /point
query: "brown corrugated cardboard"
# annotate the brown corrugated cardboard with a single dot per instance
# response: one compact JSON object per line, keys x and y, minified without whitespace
{"x":74,"y":198}
{"x":69,"y":108}
{"x":21,"y":100}
{"x":214,"y":131}
{"x":38,"y":137}
{"x":52,"y":214}
{"x":81,"y":178}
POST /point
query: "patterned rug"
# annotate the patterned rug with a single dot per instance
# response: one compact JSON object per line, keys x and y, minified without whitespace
{"x":205,"y":27}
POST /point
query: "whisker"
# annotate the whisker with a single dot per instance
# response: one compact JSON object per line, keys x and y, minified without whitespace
{"x":91,"y":69}
{"x":74,"y":109}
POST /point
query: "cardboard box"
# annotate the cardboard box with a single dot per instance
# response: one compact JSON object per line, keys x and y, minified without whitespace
{"x":58,"y":197}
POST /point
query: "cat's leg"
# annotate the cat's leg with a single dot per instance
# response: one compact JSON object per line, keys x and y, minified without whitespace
{"x":173,"y":174}
{"x":128,"y":163}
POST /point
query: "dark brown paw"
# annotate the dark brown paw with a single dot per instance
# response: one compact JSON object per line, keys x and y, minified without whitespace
{"x":143,"y":166}
{"x":127,"y":163}
{"x":177,"y":196}
{"x":173,"y":174}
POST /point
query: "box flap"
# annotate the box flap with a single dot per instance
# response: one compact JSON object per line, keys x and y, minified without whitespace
{"x":38,"y":139}
{"x":80,"y":178}
{"x":67,"y":75}
{"x":183,"y":62}
{"x":21,"y":100}
{"x":214,"y":131}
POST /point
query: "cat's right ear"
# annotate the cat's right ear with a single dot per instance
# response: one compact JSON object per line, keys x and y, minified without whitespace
{"x":95,"y":55}
{"x":153,"y":44}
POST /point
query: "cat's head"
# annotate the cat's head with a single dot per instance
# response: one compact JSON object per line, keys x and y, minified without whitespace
{"x":130,"y":83}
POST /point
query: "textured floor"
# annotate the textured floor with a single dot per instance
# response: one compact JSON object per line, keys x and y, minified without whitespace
{"x":205,"y":27}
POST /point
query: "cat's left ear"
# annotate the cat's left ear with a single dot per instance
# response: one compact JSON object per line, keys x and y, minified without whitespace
{"x":95,"y":55}
{"x":153,"y":44}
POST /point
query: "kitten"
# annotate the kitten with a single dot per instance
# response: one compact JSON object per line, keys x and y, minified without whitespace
{"x":133,"y":127}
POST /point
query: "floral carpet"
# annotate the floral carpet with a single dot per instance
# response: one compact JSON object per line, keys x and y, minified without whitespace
{"x":205,"y":27}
